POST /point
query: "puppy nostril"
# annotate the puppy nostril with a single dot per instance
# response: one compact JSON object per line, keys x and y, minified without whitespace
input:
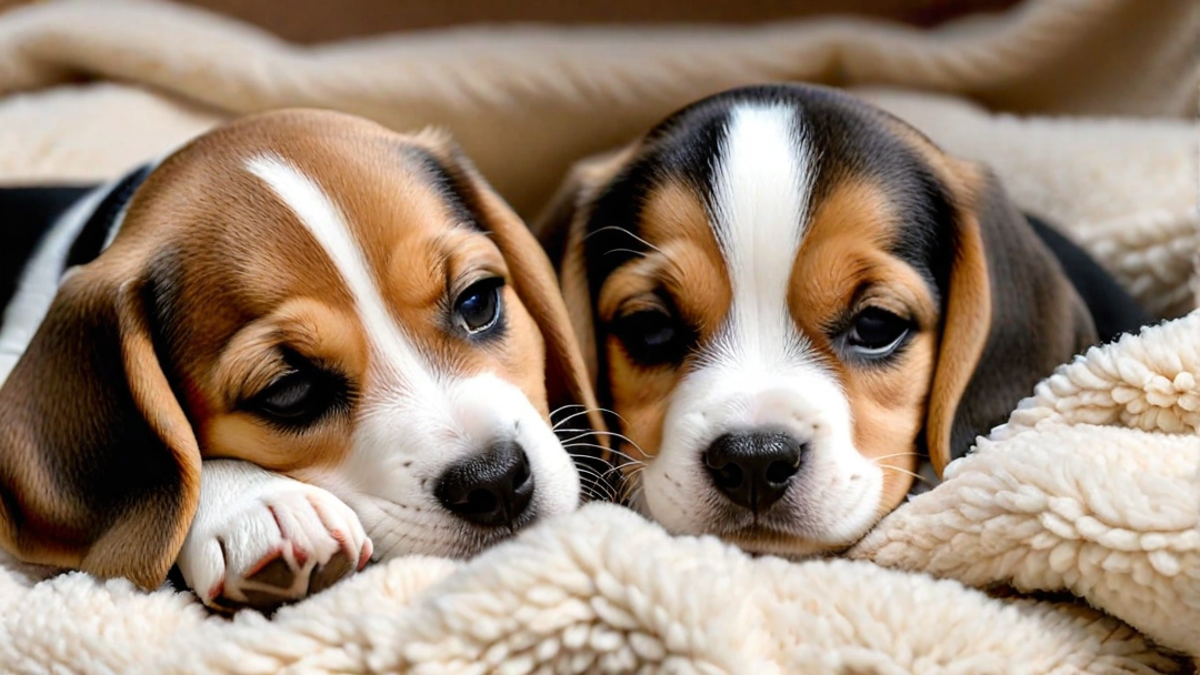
{"x":779,"y":472}
{"x":479,"y":501}
{"x":729,"y":476}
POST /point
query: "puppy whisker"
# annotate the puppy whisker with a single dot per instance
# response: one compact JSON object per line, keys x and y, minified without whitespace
{"x":598,"y":487}
{"x":897,"y":454}
{"x":625,"y":231}
{"x":613,"y":434}
{"x":611,"y":251}
{"x":584,"y":433}
{"x":556,"y":425}
{"x":906,"y":472}
{"x":629,"y":459}
{"x":566,"y":406}
{"x":633,"y":486}
{"x":605,"y":489}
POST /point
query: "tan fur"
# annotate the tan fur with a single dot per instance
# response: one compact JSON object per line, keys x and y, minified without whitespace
{"x":248,"y":278}
{"x":843,"y":251}
{"x":54,"y":391}
{"x":968,"y":320}
{"x":969,"y":307}
{"x":686,"y":262}
{"x":844,"y":248}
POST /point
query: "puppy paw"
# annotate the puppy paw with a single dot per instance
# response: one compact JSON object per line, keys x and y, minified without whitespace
{"x":261,"y":541}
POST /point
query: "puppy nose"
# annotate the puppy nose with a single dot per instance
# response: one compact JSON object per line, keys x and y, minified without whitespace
{"x":492,"y":488}
{"x":753,"y":469}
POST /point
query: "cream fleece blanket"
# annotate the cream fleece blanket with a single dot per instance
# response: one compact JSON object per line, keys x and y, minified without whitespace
{"x":1092,"y":490}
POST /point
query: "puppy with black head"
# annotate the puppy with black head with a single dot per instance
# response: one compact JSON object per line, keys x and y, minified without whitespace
{"x":787,"y":298}
{"x":299,"y":342}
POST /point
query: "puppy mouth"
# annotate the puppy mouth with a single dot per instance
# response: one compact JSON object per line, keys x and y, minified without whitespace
{"x":759,"y":538}
{"x":396,"y":533}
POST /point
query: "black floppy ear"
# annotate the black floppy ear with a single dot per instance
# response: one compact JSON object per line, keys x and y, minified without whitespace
{"x":99,"y":467}
{"x":561,"y":230}
{"x":1011,"y":317}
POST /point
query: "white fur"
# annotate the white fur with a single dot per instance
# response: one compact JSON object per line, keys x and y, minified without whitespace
{"x":415,"y":421}
{"x":760,"y":371}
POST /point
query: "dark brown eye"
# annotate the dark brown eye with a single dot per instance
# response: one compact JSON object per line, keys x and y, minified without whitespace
{"x":478,"y":308}
{"x":300,"y":397}
{"x":289,"y":396}
{"x":876,"y":332}
{"x":652,"y":336}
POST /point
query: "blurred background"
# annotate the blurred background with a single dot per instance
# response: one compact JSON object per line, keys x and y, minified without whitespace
{"x":312,"y":21}
{"x":1086,"y":109}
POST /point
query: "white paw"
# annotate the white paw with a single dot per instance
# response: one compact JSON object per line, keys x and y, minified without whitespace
{"x":260,"y":539}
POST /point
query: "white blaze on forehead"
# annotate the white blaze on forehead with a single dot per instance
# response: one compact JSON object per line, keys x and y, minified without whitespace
{"x":760,"y":195}
{"x":761,"y":371}
{"x":325,"y":221}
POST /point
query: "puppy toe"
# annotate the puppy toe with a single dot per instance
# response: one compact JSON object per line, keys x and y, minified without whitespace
{"x":346,"y":529}
{"x":202,"y":562}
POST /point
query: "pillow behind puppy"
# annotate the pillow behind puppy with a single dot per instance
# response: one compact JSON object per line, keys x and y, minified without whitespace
{"x":310,"y":340}
{"x":787,"y":296}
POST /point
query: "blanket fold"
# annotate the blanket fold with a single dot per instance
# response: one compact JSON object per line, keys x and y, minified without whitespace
{"x":1051,"y":502}
{"x":526,"y":101}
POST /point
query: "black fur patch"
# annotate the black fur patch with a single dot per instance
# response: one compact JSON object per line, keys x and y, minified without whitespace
{"x":26,"y":214}
{"x":90,"y":240}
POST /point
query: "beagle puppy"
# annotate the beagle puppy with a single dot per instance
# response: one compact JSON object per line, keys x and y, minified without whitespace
{"x":787,"y":297}
{"x":299,"y":342}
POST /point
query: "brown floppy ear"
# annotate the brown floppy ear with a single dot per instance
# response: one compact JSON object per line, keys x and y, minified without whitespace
{"x":568,"y":387}
{"x":1011,"y":317}
{"x":561,"y":230}
{"x":99,"y":467}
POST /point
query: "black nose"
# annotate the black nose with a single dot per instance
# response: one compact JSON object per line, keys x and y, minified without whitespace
{"x":753,"y":469}
{"x":492,"y":488}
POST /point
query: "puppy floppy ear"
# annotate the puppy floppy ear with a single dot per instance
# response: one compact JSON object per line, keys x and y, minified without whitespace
{"x":568,"y":386}
{"x":1011,"y":317}
{"x":561,"y":230}
{"x":99,"y":467}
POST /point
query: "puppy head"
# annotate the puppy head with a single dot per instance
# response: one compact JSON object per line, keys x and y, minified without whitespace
{"x":785,"y":295}
{"x":316,"y":295}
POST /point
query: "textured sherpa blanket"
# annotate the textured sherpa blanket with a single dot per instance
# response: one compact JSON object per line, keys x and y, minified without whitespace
{"x":1088,"y":498}
{"x":1092,"y":490}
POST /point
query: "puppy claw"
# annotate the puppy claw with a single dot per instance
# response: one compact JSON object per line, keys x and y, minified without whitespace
{"x":368,"y":550}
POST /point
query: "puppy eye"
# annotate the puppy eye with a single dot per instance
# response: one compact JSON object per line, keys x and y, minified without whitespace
{"x":877,"y":332}
{"x":299,"y":397}
{"x":478,"y":308}
{"x":651,"y":337}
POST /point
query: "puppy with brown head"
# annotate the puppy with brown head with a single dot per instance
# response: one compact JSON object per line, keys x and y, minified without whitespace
{"x":787,"y":297}
{"x":307,"y":340}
